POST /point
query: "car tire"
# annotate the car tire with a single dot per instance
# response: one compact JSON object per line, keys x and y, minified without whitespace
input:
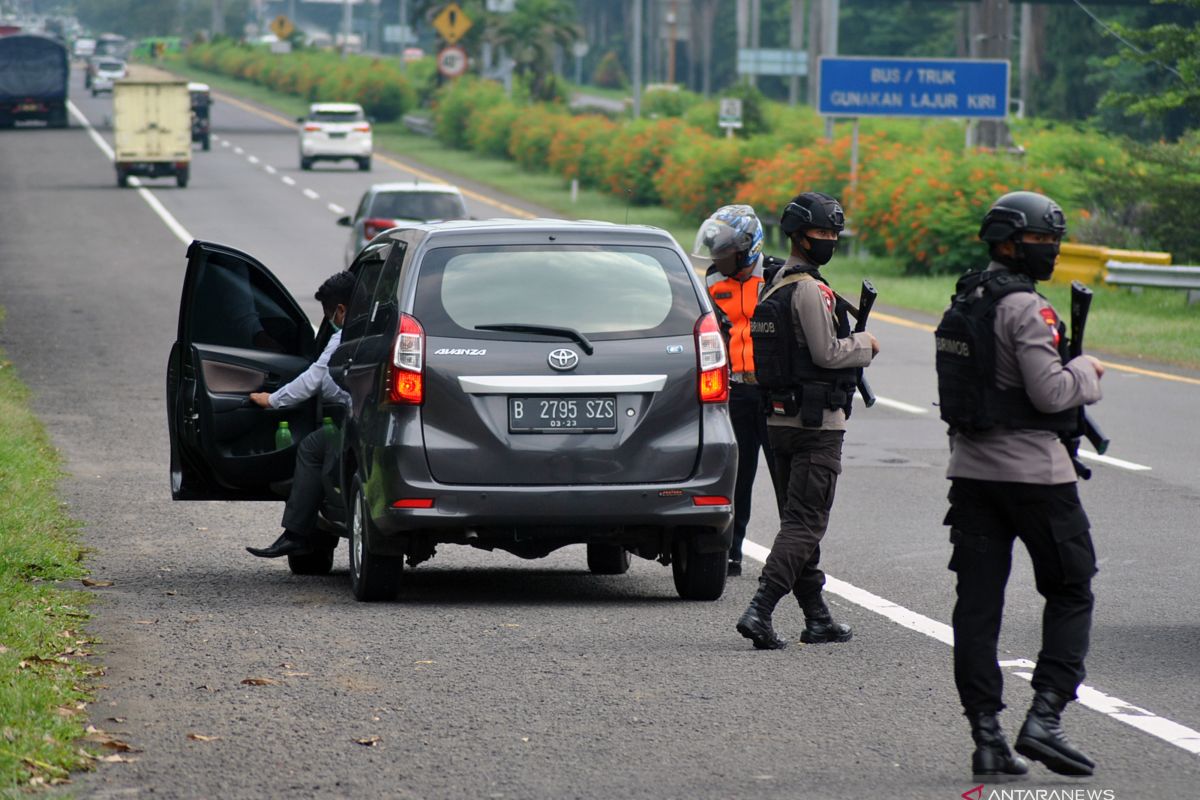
{"x":94,"y":93}
{"x":306,"y":163}
{"x":372,"y":577}
{"x":206,"y":143}
{"x":364,"y":164}
{"x":607,"y":559}
{"x":318,"y":562}
{"x":122,"y":178}
{"x":698,"y":576}
{"x":181,"y":178}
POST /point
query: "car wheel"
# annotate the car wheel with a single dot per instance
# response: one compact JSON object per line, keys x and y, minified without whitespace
{"x":306,"y":163}
{"x":698,"y":576}
{"x":364,"y":164}
{"x":94,"y":93}
{"x":122,"y":178}
{"x":318,"y":562}
{"x":206,"y":144}
{"x":372,"y":577}
{"x":607,"y":559}
{"x":181,"y":178}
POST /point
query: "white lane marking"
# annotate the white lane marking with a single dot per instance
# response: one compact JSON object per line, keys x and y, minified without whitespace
{"x":224,"y":143}
{"x":1181,"y":736}
{"x":288,"y":180}
{"x":896,"y":404}
{"x":1112,"y":462}
{"x":270,"y":170}
{"x":252,"y":159}
{"x":335,"y":208}
{"x":238,"y":150}
{"x":168,"y":219}
{"x":310,"y":194}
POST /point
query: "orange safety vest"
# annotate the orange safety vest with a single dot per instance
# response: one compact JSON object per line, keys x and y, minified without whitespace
{"x":737,"y":300}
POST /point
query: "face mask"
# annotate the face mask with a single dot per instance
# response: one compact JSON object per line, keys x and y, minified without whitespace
{"x":820,"y":250}
{"x":333,"y":324}
{"x":1038,"y":259}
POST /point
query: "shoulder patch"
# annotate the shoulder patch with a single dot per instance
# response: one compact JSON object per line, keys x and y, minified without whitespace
{"x":1051,"y":319}
{"x":828,"y":296}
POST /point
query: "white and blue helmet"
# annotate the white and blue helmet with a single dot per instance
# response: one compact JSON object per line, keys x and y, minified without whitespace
{"x":731,"y":239}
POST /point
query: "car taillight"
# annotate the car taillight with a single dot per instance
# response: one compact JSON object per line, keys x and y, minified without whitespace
{"x":710,"y":500}
{"x":710,"y":353}
{"x":414,"y":502}
{"x":312,"y":127}
{"x":363,"y":128}
{"x":375,"y":226}
{"x":406,"y":371}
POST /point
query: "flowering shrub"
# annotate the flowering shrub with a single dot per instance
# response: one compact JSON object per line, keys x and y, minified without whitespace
{"x":578,"y":149}
{"x":532,"y":132}
{"x":489,"y":129}
{"x":700,"y":175}
{"x":456,"y":102}
{"x":636,"y":155}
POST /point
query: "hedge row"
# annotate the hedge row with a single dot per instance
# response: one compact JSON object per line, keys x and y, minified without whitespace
{"x":315,"y":75}
{"x":919,"y":193}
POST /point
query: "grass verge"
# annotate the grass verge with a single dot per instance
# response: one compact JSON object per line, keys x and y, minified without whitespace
{"x":43,"y":675}
{"x":1156,"y":324}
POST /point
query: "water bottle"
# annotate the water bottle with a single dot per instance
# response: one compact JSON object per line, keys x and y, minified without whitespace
{"x":283,"y":436}
{"x":329,"y":428}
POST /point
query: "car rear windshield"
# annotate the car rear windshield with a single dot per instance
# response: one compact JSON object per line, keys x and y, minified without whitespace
{"x":336,"y":116}
{"x":427,"y":206}
{"x":603,"y":292}
{"x":111,"y":66}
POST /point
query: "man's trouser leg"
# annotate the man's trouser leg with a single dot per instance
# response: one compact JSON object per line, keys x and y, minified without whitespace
{"x":315,"y":457}
{"x":982,"y":560}
{"x":746,"y":412}
{"x":808,"y":463}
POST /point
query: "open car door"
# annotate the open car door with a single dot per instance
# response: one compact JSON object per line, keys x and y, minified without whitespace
{"x":240,"y":331}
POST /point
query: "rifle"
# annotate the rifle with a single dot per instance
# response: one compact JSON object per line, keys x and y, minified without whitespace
{"x":865,"y":302}
{"x":1081,"y":303}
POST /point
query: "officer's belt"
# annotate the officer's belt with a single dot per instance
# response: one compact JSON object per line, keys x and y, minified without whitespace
{"x":744,"y":377}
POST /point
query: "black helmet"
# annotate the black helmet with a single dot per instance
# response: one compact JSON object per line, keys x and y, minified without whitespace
{"x":812,"y":210}
{"x":1018,"y":212}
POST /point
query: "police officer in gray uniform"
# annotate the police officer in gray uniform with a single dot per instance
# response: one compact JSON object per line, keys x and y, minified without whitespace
{"x":807,"y":357}
{"x":1012,"y":477}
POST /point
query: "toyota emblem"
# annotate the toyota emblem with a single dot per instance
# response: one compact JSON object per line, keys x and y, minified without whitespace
{"x":563,"y":359}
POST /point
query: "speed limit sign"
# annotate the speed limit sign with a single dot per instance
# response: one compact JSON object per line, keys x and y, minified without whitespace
{"x":452,"y":61}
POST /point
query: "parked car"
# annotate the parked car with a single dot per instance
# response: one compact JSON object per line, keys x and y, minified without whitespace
{"x":201,"y":98}
{"x":386,"y":205}
{"x":515,"y":385}
{"x":107,"y":71}
{"x":333,"y":132}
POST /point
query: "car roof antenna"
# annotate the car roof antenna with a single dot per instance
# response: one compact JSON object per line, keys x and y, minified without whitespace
{"x":628,"y":202}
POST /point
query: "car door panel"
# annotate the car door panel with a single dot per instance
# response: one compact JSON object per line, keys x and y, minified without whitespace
{"x":240,"y":331}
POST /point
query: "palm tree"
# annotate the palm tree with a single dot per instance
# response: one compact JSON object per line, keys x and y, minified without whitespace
{"x":531,"y":34}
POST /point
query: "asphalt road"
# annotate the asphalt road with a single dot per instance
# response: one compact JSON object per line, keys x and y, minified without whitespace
{"x":496,"y":677}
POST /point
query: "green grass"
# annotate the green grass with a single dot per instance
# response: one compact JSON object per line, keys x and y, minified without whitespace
{"x":1156,"y":324}
{"x":43,"y":676}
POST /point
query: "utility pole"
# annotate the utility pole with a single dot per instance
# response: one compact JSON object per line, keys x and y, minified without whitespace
{"x":829,"y":43}
{"x":672,"y":21}
{"x":743,"y":27}
{"x":755,"y":30}
{"x":795,"y":42}
{"x":218,"y":18}
{"x":637,"y":59}
{"x":1028,"y":56}
{"x":990,"y":27}
{"x":347,"y":24}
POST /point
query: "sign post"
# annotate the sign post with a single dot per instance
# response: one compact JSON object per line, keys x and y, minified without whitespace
{"x":729,"y":115}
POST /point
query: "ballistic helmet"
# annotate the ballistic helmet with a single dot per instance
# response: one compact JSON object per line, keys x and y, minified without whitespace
{"x":812,"y":210}
{"x":1019,"y":212}
{"x":732,"y":238}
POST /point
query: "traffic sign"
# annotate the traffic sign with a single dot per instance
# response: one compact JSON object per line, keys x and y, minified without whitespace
{"x":729,"y":113}
{"x":282,"y":27}
{"x":452,"y":61}
{"x":913,"y":87}
{"x":452,"y":23}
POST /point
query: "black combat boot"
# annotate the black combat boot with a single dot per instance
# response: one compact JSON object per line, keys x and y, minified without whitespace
{"x":755,"y":624}
{"x":1042,"y":738}
{"x":992,"y":761}
{"x":819,"y":626}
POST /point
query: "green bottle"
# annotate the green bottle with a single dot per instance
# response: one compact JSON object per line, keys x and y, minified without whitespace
{"x":283,"y":436}
{"x":329,"y":428}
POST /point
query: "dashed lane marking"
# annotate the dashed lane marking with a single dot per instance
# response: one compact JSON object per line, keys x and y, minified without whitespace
{"x":252,"y":159}
{"x":1181,"y":736}
{"x":168,"y":219}
{"x":270,"y":170}
{"x":288,"y":180}
{"x":310,"y":194}
{"x":238,"y":150}
{"x":335,"y":208}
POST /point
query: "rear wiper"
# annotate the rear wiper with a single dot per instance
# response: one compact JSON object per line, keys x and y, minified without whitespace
{"x":549,"y":330}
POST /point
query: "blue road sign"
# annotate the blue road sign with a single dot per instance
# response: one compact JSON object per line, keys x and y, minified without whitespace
{"x":913,"y":87}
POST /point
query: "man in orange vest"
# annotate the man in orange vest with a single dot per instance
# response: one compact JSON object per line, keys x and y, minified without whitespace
{"x":732,"y":238}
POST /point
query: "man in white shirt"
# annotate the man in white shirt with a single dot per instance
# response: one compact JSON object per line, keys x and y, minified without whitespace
{"x":317,"y":456}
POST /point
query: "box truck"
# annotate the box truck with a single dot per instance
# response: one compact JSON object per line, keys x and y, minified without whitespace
{"x":33,"y":80}
{"x":152,"y":129}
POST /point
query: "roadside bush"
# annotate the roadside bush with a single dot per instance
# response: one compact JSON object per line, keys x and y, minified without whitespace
{"x":578,"y":149}
{"x":456,"y":102}
{"x":489,"y":129}
{"x":609,"y":72}
{"x":636,"y":155}
{"x":668,"y":102}
{"x":532,"y":132}
{"x":385,"y":97}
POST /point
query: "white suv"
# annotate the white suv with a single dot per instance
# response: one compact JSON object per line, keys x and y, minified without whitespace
{"x":107,"y":71}
{"x":334,"y":131}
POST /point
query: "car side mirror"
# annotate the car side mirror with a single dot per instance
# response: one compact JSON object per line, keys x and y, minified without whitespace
{"x":344,"y":221}
{"x":300,"y":120}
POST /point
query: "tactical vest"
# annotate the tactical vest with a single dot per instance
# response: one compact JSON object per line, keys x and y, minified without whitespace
{"x":796,"y":385}
{"x":735,"y":301}
{"x":965,"y":342}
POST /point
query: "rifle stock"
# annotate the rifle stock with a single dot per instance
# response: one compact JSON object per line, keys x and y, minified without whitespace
{"x":865,"y":301}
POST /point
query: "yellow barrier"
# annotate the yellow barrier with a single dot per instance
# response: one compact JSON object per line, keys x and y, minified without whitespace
{"x":1085,"y":262}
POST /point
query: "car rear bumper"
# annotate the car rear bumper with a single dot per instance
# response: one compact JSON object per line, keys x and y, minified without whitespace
{"x":348,"y":148}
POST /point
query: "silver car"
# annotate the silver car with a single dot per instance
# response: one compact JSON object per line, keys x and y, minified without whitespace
{"x":107,"y":71}
{"x":387,"y":205}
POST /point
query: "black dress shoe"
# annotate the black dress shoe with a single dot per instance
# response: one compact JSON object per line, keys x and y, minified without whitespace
{"x":288,"y":544}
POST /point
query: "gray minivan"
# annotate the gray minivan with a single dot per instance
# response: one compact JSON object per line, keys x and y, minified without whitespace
{"x":516,"y":385}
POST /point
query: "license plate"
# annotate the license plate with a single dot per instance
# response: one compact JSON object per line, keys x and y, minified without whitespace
{"x":29,"y":107}
{"x":337,"y":136}
{"x":570,"y":414}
